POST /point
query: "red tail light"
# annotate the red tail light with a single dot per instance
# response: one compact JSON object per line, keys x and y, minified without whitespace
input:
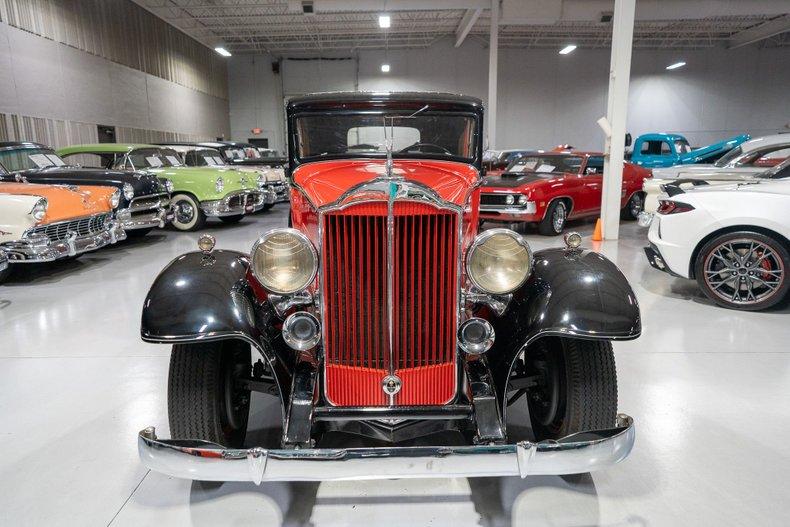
{"x":666,"y":207}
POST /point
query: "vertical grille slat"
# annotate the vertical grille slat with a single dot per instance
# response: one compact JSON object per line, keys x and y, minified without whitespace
{"x":424,"y":302}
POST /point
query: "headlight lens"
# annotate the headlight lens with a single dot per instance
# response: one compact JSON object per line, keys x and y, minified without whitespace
{"x":128,"y":191}
{"x":499,"y":261}
{"x":169,"y":186}
{"x":115,"y":199}
{"x":284,"y":261}
{"x":220,"y":184}
{"x":522,"y":200}
{"x":39,"y":209}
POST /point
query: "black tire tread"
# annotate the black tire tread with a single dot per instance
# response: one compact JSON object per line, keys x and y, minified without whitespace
{"x":191,"y":403}
{"x":592,"y":385}
{"x":545,"y":227}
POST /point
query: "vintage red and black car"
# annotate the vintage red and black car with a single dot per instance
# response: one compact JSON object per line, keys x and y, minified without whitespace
{"x":549,"y":188}
{"x":398,"y":341}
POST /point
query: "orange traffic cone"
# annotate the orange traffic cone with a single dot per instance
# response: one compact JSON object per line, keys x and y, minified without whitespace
{"x":597,"y":235}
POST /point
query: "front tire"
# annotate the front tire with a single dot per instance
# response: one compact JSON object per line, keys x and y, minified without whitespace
{"x":553,"y":223}
{"x":203,"y":399}
{"x":5,"y":273}
{"x":267,"y":207}
{"x":634,"y":206}
{"x":577,"y":390}
{"x":188,"y":214}
{"x":743,"y":270}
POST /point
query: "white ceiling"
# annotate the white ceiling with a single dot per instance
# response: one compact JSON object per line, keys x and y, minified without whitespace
{"x":281,"y":28}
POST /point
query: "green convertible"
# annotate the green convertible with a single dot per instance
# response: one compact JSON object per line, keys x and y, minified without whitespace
{"x":197,"y":192}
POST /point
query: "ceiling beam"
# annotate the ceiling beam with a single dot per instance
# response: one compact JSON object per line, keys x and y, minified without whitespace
{"x":466,"y":25}
{"x":754,"y":34}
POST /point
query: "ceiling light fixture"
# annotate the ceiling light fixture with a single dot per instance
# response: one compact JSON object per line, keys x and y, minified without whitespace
{"x":385,"y":68}
{"x":222,"y":51}
{"x":567,"y":49}
{"x":676,"y":65}
{"x":384,"y":21}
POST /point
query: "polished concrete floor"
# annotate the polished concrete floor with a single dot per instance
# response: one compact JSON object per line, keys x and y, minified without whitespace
{"x":709,"y":389}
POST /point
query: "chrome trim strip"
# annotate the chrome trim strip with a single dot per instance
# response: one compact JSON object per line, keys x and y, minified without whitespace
{"x":205,"y":461}
{"x":510,"y":210}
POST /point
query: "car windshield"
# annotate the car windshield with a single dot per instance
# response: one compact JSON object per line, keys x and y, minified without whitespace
{"x":548,"y":164}
{"x":411,"y":135}
{"x":204,"y":157}
{"x":29,"y":159}
{"x":682,"y":146}
{"x":154,"y":158}
{"x":727,"y":158}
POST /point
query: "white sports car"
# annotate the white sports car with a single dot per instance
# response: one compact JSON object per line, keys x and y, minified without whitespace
{"x":734,"y":240}
{"x":742,"y":163}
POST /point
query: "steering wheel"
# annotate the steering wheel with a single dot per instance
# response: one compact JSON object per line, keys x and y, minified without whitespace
{"x":425,"y":148}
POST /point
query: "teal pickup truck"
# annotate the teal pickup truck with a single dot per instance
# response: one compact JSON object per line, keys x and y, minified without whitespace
{"x":666,"y":150}
{"x":197,"y":192}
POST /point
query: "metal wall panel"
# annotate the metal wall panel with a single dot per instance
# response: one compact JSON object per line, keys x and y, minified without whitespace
{"x":122,"y":32}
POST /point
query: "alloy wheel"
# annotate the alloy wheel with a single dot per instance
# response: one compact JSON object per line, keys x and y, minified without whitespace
{"x":185,"y":212}
{"x":636,"y":205}
{"x":744,"y":271}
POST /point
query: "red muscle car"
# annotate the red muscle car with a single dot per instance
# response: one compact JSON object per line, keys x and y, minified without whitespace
{"x":552,"y":187}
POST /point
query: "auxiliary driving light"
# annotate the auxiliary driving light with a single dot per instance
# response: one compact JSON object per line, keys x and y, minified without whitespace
{"x":301,"y":331}
{"x":476,"y":336}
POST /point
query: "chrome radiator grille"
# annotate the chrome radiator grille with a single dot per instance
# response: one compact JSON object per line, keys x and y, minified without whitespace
{"x":81,"y":227}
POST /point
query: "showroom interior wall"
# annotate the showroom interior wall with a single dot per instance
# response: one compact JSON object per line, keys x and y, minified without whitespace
{"x":66,"y":67}
{"x":544,"y":98}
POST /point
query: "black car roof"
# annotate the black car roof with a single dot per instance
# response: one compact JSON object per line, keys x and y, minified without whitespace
{"x":330,"y":99}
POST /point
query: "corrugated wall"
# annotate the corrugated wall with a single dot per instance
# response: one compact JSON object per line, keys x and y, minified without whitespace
{"x":59,"y":133}
{"x":122,"y":32}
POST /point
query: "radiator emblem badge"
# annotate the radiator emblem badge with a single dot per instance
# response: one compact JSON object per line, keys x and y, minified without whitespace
{"x":391,"y":384}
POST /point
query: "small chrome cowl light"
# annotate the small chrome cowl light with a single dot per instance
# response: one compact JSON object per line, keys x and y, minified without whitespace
{"x":206,"y":243}
{"x":128,"y":191}
{"x":301,"y":331}
{"x":39,"y":210}
{"x":220,"y":184}
{"x":168,"y":185}
{"x":475,"y":336}
{"x":573,"y":240}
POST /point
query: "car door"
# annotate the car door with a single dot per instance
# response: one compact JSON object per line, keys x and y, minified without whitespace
{"x":592,"y":180}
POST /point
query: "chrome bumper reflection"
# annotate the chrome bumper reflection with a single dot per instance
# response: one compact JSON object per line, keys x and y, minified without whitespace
{"x":205,"y":461}
{"x":40,"y":248}
{"x":240,"y":202}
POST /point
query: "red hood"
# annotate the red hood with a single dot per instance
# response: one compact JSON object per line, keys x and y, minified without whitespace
{"x":325,"y":181}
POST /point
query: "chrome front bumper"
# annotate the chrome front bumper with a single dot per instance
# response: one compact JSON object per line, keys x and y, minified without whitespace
{"x":145,"y":220}
{"x":3,"y":260}
{"x":240,"y":202}
{"x":39,"y":248}
{"x":205,"y":461}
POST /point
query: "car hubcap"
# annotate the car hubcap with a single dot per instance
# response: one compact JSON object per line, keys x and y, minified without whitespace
{"x":744,"y":271}
{"x":558,"y":219}
{"x":184,"y":212}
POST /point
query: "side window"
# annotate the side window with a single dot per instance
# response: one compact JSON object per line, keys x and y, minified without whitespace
{"x":655,"y":148}
{"x":191,"y":159}
{"x":594,"y":166}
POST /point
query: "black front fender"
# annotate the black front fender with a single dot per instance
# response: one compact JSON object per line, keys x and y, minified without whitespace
{"x":201,"y":297}
{"x":573,"y":293}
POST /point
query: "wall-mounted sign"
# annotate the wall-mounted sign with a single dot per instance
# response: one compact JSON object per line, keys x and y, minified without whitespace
{"x":256,"y":131}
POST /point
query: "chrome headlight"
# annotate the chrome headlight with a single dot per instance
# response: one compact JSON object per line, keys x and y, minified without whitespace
{"x":115,"y":199}
{"x":261,"y":181}
{"x":220,"y":184}
{"x":499,"y":261}
{"x":168,"y":186}
{"x":128,"y":191}
{"x":39,"y":210}
{"x":284,"y":261}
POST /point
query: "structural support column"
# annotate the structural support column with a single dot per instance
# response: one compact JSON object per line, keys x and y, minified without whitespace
{"x":616,"y":111}
{"x":493,"y":52}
